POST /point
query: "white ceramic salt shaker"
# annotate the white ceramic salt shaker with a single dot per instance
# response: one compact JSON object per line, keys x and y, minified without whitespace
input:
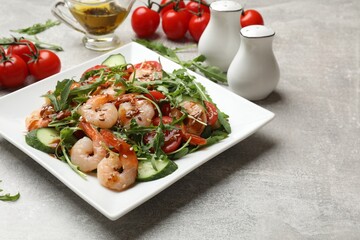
{"x":220,"y":39}
{"x":254,"y":72}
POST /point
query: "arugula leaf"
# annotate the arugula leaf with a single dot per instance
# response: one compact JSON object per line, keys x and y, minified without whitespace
{"x":216,"y":137}
{"x":179,"y":154}
{"x":59,"y":98}
{"x":38,"y":27}
{"x":160,"y":48}
{"x":223,"y":119}
{"x":44,"y":45}
{"x":85,"y":89}
{"x":67,"y":137}
{"x":9,"y":198}
{"x":211,"y":72}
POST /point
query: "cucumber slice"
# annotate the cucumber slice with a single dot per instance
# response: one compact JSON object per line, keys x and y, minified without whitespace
{"x":114,"y":60}
{"x":43,"y":139}
{"x":146,"y":172}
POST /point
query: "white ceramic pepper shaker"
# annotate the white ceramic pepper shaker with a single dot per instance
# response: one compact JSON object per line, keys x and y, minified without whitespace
{"x":220,"y":40}
{"x":254,"y":72}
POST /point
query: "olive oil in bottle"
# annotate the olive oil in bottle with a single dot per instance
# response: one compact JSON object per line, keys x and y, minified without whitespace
{"x":101,"y":19}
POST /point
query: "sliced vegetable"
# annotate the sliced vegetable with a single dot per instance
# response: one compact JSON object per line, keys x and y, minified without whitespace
{"x":147,"y":172}
{"x":172,"y":138}
{"x":155,"y":95}
{"x":43,"y":139}
{"x":114,"y":60}
{"x":211,"y":113}
{"x":192,"y":138}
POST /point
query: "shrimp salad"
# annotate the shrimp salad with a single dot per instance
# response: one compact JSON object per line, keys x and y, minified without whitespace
{"x":126,"y":123}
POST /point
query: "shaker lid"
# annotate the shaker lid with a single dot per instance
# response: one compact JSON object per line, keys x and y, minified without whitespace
{"x":257,"y":31}
{"x":226,"y":6}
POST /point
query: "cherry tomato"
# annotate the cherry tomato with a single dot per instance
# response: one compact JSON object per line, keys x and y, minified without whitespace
{"x":145,"y":71}
{"x":194,"y":7}
{"x":165,"y":108}
{"x":172,"y":138}
{"x":250,"y":17}
{"x":175,"y":24}
{"x":155,"y":95}
{"x":23,"y":51}
{"x":198,"y":24}
{"x":13,"y":70}
{"x":145,"y":21}
{"x":211,"y":113}
{"x":151,"y":65}
{"x":171,"y":6}
{"x":46,"y":64}
{"x":93,"y":77}
{"x":96,"y":67}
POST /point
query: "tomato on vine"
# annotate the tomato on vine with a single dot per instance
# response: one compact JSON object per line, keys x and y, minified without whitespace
{"x":44,"y":64}
{"x":166,"y":5}
{"x":23,"y":49}
{"x":13,"y":70}
{"x":198,"y":24}
{"x":175,"y":24}
{"x":197,"y":6}
{"x":145,"y":21}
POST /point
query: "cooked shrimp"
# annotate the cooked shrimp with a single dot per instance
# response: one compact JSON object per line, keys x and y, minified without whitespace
{"x":142,"y":110}
{"x":196,"y":120}
{"x":117,"y":171}
{"x":99,"y":111}
{"x":87,"y":153}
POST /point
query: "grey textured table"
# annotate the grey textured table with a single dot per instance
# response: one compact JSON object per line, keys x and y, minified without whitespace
{"x":297,"y":178}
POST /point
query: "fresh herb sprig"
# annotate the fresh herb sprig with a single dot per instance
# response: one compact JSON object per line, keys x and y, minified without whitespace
{"x":45,"y":45}
{"x":37,"y":27}
{"x":8,"y":197}
{"x":197,"y":64}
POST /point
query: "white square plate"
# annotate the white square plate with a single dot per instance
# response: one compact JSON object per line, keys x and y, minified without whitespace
{"x":245,"y":118}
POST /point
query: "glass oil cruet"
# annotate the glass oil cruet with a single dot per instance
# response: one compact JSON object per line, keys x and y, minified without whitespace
{"x":254,"y":72}
{"x":220,"y":39}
